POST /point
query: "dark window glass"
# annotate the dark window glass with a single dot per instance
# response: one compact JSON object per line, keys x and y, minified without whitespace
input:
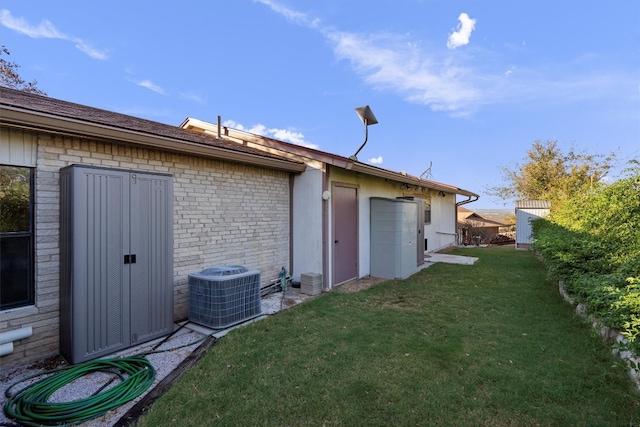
{"x":427,"y":211}
{"x":16,"y":236}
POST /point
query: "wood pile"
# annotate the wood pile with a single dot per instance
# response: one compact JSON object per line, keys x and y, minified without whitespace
{"x":501,"y":239}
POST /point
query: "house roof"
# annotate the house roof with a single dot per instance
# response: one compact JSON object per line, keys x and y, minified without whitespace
{"x":533,"y":204}
{"x":467,"y":215}
{"x":317,"y":157}
{"x":35,"y":112}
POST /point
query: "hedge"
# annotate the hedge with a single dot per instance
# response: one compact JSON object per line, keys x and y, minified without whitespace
{"x":592,"y":244}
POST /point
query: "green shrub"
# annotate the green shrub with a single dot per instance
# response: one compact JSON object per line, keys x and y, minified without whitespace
{"x":593,"y":244}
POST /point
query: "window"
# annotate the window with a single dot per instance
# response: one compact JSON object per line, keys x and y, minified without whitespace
{"x":427,"y":211}
{"x":16,"y":236}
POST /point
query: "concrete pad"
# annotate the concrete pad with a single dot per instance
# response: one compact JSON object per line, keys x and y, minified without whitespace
{"x":449,"y":259}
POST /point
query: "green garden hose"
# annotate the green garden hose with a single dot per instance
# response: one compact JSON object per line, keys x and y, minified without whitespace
{"x":30,"y":406}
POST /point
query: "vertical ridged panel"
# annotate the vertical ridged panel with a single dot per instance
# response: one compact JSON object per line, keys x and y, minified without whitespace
{"x":152,"y":275}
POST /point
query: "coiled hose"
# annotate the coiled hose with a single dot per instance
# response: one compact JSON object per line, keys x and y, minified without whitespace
{"x":30,"y":406}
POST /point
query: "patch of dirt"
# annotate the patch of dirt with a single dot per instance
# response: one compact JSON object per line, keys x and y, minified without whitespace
{"x":41,"y":365}
{"x":359,"y":284}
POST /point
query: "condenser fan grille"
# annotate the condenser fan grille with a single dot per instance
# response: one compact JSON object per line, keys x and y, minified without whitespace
{"x":223,"y":296}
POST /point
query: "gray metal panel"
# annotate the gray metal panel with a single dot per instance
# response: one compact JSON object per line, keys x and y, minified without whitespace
{"x":420,"y":230}
{"x":66,"y":266}
{"x":393,"y":238}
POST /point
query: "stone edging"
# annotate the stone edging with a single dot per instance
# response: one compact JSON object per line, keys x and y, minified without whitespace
{"x":609,"y":334}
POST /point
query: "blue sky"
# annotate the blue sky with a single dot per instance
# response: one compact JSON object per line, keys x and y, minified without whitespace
{"x":461,"y":87}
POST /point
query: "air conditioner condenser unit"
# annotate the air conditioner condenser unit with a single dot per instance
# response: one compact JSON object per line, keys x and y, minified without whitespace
{"x":220,"y":297}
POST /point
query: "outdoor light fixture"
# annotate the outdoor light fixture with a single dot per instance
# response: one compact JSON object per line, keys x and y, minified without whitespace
{"x":367,"y":117}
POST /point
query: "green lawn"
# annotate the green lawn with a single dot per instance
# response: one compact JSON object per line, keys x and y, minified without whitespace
{"x":488,"y":344}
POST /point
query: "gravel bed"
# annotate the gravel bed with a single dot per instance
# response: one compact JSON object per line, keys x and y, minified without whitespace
{"x":164,"y":363}
{"x":191,"y":336}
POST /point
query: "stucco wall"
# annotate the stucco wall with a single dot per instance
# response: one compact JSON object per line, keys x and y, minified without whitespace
{"x":224,"y":213}
{"x":441,"y":231}
{"x":307,"y":222}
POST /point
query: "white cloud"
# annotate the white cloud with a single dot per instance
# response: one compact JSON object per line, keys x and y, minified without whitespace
{"x":148,"y":84}
{"x":395,"y":63}
{"x":46,"y":30}
{"x":461,"y":36}
{"x":296,"y":17}
{"x":388,"y":63}
{"x":376,"y":160}
{"x":195,"y":97}
{"x":432,"y":76}
{"x":285,"y":135}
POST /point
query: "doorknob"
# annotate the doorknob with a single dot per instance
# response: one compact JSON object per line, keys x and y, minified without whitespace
{"x":335,"y":241}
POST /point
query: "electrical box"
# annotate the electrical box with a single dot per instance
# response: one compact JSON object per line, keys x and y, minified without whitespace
{"x":393,"y":238}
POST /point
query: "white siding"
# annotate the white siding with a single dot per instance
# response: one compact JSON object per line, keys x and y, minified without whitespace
{"x":17,"y":148}
{"x":441,"y":233}
{"x":524,"y":216}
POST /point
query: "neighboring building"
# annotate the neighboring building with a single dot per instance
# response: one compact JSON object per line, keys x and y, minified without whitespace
{"x":331,"y":210}
{"x":470,"y":221}
{"x":235,"y":199}
{"x":526,"y":211}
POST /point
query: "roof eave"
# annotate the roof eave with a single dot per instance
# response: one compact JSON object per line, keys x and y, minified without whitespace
{"x":39,"y":121}
{"x":411,"y":180}
{"x":320,"y":156}
{"x":242,"y":136}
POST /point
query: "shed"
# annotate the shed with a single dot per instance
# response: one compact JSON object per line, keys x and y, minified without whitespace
{"x":527,"y":211}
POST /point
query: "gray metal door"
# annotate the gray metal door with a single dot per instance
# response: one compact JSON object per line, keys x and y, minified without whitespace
{"x":345,"y":233}
{"x":420,"y":225}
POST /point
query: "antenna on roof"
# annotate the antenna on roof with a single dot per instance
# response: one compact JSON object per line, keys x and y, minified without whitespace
{"x":367,"y":117}
{"x":427,"y":172}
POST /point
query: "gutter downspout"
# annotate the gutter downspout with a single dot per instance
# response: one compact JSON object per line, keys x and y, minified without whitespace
{"x":325,"y":230}
{"x":291,"y":248}
{"x":463,"y":202}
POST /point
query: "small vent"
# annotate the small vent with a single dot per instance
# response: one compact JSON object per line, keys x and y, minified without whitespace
{"x":220,"y":297}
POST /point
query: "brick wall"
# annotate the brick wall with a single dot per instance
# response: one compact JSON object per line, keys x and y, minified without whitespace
{"x":224,"y":213}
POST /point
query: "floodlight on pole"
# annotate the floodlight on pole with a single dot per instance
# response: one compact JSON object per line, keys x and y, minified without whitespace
{"x":367,"y":117}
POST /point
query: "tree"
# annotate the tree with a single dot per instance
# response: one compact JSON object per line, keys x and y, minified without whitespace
{"x":14,"y":199}
{"x":550,"y":174}
{"x":10,"y":78}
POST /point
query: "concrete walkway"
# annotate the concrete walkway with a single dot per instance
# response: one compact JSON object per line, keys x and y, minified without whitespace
{"x":432,"y":258}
